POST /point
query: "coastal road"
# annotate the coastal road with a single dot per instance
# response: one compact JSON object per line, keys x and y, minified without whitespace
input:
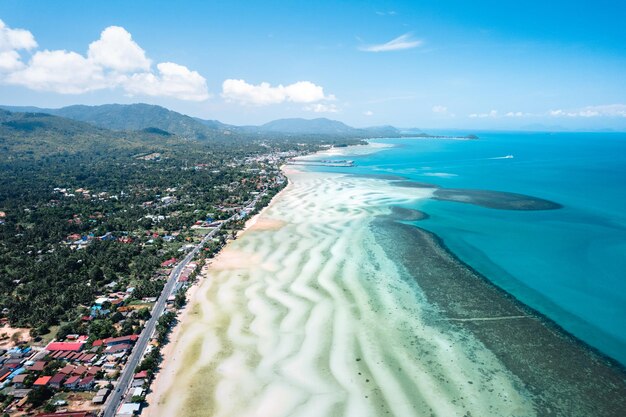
{"x":125,"y":379}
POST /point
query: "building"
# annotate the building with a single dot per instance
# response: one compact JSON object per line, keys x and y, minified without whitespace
{"x":169,"y":262}
{"x":42,"y":381}
{"x":18,"y":380}
{"x":141,"y":375}
{"x":86,"y":383}
{"x":117,"y":340}
{"x":128,"y":410}
{"x":56,"y":381}
{"x":72,"y":382}
{"x":100,"y":396}
{"x":19,"y":393}
{"x":67,"y":369}
{"x":118,"y":348}
{"x":64,"y":346}
{"x":37,"y":366}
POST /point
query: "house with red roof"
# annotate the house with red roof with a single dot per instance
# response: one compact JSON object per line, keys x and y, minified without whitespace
{"x":72,"y":382}
{"x":86,"y":383}
{"x":141,"y":375}
{"x":118,"y":348}
{"x":56,"y":381}
{"x":79,"y":370}
{"x":116,"y":340}
{"x":169,"y":263}
{"x":67,"y":369}
{"x":64,"y":346}
{"x":42,"y":381}
{"x":37,"y":366}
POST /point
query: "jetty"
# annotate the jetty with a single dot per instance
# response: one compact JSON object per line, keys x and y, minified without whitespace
{"x":322,"y":162}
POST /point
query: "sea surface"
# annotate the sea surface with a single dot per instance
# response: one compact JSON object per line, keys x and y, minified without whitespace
{"x":568,"y":263}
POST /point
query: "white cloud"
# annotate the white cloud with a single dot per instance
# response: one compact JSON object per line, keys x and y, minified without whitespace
{"x":405,"y":41}
{"x":517,"y":114}
{"x":10,"y":61}
{"x":491,"y":114}
{"x":305,"y":92}
{"x":368,"y":113}
{"x":322,"y":108}
{"x":440,"y":109}
{"x":116,"y":50}
{"x":173,"y":80}
{"x":607,"y":110}
{"x":15,"y":39}
{"x":113,"y":61}
{"x":59,"y":71}
{"x":262,"y":94}
{"x":12,"y":41}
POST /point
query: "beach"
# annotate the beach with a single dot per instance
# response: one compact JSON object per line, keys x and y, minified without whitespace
{"x":309,"y":317}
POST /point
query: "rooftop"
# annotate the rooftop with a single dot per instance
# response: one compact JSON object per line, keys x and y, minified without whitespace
{"x":72,"y":346}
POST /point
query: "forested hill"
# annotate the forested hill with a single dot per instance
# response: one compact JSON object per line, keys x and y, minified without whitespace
{"x":135,"y":117}
{"x":37,"y":135}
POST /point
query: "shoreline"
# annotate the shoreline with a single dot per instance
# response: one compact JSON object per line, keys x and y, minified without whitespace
{"x":566,"y":375}
{"x":157,"y":390}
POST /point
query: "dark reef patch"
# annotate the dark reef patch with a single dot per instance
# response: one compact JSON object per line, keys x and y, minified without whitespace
{"x":495,"y":199}
{"x":414,"y":184}
{"x":500,"y":200}
{"x":407,"y":215}
{"x":565,"y":376}
{"x":388,"y":177}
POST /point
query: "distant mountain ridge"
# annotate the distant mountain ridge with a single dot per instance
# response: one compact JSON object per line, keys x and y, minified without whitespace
{"x":146,"y":116}
{"x":322,"y":126}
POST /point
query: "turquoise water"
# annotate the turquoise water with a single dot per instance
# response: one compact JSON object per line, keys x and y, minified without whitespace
{"x":569,"y":264}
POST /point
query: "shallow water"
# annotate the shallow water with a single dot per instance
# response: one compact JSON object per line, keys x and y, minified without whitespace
{"x":311,"y":318}
{"x":567,"y":263}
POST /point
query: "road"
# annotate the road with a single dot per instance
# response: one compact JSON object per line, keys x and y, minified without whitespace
{"x":125,"y":379}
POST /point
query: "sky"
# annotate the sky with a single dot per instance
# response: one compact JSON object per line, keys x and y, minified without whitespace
{"x":425,"y":64}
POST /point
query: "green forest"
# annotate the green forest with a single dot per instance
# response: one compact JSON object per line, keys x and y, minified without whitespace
{"x":129,"y":196}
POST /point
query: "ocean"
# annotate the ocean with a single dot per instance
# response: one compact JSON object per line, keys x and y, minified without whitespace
{"x":569,"y":263}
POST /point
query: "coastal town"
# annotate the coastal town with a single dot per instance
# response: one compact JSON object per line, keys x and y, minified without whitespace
{"x":102,"y":361}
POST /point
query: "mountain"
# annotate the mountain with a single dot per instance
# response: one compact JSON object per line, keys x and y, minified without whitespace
{"x":35,"y":135}
{"x":133,"y":117}
{"x":216,"y":124}
{"x":320,"y":126}
{"x":156,"y":119}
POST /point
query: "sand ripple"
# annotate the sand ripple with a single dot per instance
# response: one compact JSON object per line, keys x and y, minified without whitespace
{"x":305,"y":316}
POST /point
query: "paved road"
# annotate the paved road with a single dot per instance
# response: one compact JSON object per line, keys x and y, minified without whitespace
{"x":125,"y":379}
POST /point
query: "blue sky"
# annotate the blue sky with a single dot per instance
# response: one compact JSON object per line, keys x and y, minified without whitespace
{"x":445,"y":64}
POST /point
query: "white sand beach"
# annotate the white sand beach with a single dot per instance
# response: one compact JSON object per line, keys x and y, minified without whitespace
{"x":303,"y":315}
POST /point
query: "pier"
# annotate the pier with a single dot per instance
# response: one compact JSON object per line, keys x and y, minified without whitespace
{"x":321,"y":162}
